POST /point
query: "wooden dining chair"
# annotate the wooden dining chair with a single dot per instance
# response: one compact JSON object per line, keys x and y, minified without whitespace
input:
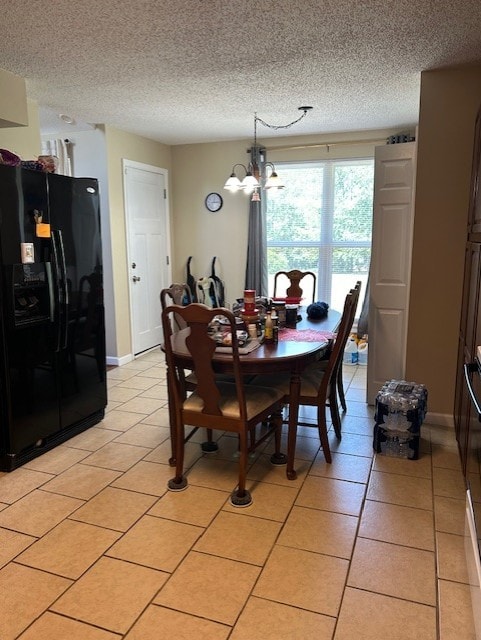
{"x":215,"y":404}
{"x":338,"y":373}
{"x":318,"y":382}
{"x":294,"y":278}
{"x":180,"y":294}
{"x":339,"y":378}
{"x":176,"y":294}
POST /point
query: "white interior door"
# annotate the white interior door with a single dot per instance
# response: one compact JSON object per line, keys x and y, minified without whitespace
{"x":148,"y":248}
{"x":394,"y":178}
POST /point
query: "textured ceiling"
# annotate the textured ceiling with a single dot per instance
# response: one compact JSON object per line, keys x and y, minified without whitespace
{"x":197,"y":70}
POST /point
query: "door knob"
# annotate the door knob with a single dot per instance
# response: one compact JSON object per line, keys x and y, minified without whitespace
{"x":135,"y":278}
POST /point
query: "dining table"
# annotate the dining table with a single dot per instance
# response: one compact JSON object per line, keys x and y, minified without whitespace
{"x":295,"y":349}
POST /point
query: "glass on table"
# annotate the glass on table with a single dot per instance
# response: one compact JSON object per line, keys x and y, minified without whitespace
{"x":291,"y":315}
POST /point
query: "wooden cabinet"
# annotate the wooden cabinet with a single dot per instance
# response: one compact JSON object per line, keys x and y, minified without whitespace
{"x":462,"y":402}
{"x":474,"y":219}
{"x":467,"y":409}
{"x":470,"y":326}
{"x":469,"y":338}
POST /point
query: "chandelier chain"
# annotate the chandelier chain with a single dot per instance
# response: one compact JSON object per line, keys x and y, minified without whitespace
{"x":256,"y":174}
{"x":280,"y":126}
{"x":277,"y":126}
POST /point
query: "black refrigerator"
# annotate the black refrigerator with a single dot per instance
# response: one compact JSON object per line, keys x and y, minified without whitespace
{"x":52,"y":330}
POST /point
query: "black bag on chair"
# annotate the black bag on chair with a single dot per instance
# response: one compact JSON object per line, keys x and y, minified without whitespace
{"x":217,"y":292}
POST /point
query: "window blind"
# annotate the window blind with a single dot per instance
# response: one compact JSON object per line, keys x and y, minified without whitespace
{"x":322,"y":222}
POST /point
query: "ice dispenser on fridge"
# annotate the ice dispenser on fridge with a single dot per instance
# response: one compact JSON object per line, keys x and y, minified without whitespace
{"x":30,"y":294}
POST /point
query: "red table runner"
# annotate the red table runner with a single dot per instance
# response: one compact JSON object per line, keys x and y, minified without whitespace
{"x":305,"y":335}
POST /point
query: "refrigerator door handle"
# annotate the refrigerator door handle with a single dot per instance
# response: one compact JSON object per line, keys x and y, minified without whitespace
{"x":471,"y":368}
{"x":51,"y":298}
{"x":57,"y":292}
{"x":65,"y":291}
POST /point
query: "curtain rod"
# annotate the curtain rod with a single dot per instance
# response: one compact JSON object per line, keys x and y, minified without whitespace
{"x":314,"y":145}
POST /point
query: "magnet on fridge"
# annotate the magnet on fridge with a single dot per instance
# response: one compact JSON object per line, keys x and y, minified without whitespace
{"x":42,"y":230}
{"x":27,"y":252}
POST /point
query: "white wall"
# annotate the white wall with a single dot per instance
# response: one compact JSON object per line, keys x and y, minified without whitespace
{"x":450,"y":99}
{"x":199,"y":169}
{"x":23,"y":141}
{"x":13,"y":100}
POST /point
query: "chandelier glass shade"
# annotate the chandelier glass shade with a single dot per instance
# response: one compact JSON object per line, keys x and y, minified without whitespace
{"x":253,"y":179}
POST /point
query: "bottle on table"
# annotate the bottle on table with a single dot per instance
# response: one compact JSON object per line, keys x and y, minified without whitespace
{"x":252,"y":329}
{"x":275,"y":326}
{"x":269,"y":328}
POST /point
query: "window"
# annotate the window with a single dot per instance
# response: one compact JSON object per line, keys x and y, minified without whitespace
{"x":322,"y":222}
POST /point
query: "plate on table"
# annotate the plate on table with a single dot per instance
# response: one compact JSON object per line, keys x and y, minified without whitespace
{"x":223,"y":320}
{"x":288,"y":300}
{"x":224,"y":338}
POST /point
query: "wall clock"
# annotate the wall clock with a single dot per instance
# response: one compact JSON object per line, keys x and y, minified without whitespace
{"x":213,"y":202}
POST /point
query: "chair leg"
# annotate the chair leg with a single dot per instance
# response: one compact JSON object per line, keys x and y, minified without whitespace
{"x":252,"y":437}
{"x":340,"y":388}
{"x":322,"y":428}
{"x":277,"y":457}
{"x":210,"y":445}
{"x":179,"y":482}
{"x":334,"y":409}
{"x":240,"y":497}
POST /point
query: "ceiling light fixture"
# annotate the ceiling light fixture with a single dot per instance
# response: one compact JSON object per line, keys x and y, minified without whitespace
{"x":257,"y":173}
{"x":65,"y":118}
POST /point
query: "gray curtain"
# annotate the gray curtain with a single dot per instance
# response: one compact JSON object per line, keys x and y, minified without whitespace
{"x":256,"y":268}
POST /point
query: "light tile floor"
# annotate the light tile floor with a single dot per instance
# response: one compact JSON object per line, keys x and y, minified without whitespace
{"x":93,"y":546}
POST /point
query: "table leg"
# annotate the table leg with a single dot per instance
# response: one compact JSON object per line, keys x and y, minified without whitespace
{"x":173,"y":435}
{"x":294,"y":392}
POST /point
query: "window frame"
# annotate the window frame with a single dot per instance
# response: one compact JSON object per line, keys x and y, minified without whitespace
{"x":326,"y":244}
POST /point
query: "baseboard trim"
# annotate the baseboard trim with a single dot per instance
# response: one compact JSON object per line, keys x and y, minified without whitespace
{"x":118,"y":362}
{"x":442,"y":419}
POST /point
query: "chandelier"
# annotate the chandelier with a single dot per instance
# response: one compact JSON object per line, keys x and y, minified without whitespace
{"x":258,"y":173}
